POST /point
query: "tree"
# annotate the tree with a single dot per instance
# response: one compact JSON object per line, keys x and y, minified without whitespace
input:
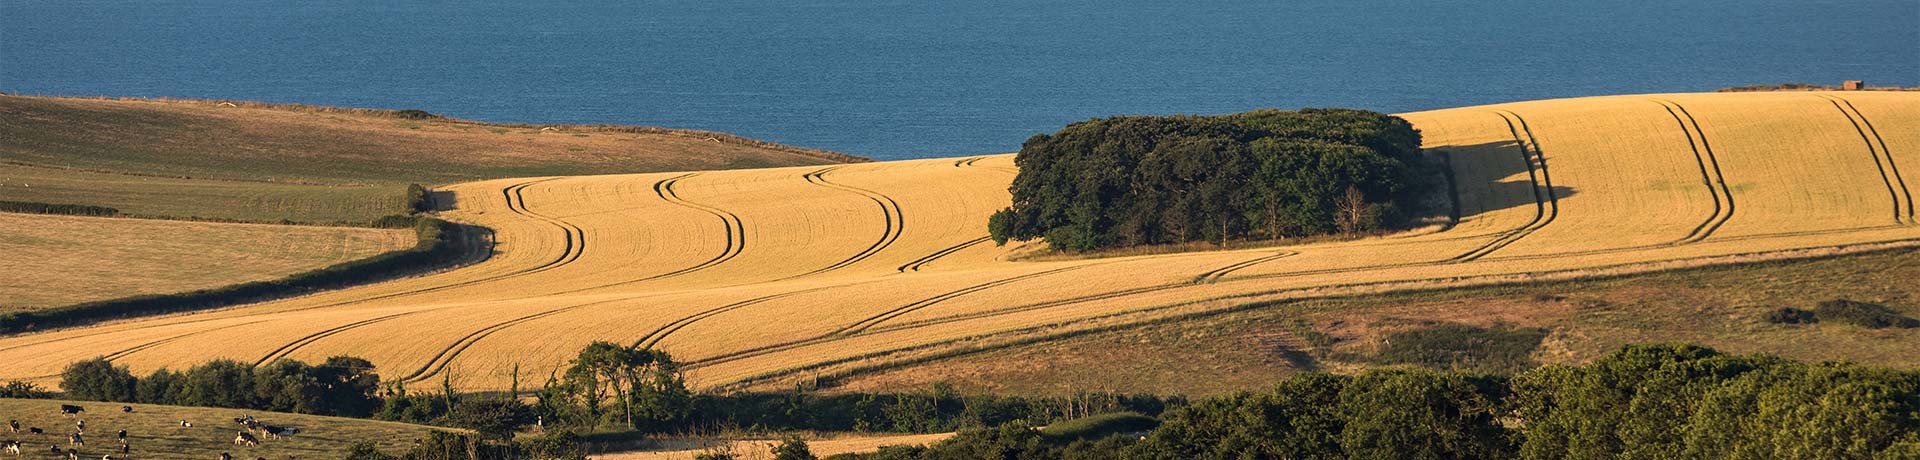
{"x":220,"y":383}
{"x":491,"y":418}
{"x":98,"y":380}
{"x":350,"y":386}
{"x":1422,"y":414}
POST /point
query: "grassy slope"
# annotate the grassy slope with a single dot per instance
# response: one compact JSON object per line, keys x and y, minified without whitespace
{"x":155,"y":432}
{"x":264,"y":162}
{"x":1720,"y":307}
{"x":60,"y":260}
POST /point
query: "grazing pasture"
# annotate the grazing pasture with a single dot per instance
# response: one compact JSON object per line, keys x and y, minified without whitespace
{"x":761,"y":273}
{"x":155,"y":431}
{"x":62,"y":260}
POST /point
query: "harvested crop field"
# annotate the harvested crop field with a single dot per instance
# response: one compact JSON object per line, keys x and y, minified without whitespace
{"x":60,"y":260}
{"x":751,"y":274}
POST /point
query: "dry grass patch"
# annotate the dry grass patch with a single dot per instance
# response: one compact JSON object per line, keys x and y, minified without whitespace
{"x":62,"y":260}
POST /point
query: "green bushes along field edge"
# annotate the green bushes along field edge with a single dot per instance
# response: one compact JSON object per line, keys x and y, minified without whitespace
{"x":439,"y":244}
{"x":53,"y":208}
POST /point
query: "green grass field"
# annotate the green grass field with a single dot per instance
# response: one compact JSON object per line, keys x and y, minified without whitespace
{"x":155,"y":432}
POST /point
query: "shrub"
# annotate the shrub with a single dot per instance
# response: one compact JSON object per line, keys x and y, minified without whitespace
{"x":415,"y":114}
{"x":1867,"y":315}
{"x":1127,"y":181}
{"x":1465,"y":347}
{"x":793,"y":448}
{"x":395,"y":221}
{"x":49,"y":208}
{"x":23,"y":390}
{"x":437,"y":246}
{"x":1098,"y":426}
{"x":419,"y":199}
{"x":1790,"y":315}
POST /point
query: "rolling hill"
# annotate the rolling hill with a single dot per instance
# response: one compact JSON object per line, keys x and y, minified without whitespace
{"x":759,"y":273}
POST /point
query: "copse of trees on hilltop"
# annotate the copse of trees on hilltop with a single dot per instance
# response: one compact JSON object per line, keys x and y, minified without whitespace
{"x":1140,"y":180}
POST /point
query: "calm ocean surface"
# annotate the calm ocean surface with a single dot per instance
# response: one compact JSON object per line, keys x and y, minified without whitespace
{"x":907,"y":79}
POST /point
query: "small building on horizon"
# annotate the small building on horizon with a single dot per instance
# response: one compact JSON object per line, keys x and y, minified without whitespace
{"x":1853,"y":85}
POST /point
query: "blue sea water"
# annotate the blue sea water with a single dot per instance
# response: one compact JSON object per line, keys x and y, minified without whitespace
{"x":904,"y":79}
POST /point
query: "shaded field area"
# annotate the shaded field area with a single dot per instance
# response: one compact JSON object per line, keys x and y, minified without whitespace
{"x":61,"y":260}
{"x":1724,"y":307}
{"x":155,"y":431}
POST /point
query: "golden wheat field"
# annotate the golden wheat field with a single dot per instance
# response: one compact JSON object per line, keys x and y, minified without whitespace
{"x":747,"y":274}
{"x":60,"y":260}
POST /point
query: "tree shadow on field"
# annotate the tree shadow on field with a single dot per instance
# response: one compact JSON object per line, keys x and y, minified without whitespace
{"x":1494,"y":176}
{"x":443,"y":200}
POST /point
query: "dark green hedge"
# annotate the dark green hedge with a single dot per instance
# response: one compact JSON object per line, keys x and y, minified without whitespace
{"x":51,"y":208}
{"x":438,"y":245}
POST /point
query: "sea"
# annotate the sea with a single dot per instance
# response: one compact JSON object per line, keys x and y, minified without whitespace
{"x":914,"y":79}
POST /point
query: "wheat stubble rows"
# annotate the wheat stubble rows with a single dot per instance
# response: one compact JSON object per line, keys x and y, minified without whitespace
{"x":753,"y":272}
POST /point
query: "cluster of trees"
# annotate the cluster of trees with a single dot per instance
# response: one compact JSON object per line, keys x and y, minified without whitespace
{"x":342,"y":385}
{"x":51,"y":208}
{"x":1140,"y":180}
{"x":1660,"y":401}
{"x":438,"y":244}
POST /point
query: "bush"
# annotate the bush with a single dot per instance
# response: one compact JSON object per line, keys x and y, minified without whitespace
{"x":415,"y":114}
{"x":1790,"y":315}
{"x":1463,"y":347}
{"x":63,"y":209}
{"x":793,"y":448}
{"x":1867,"y":315}
{"x":437,"y":246}
{"x":1098,"y":426}
{"x":419,"y":199}
{"x":23,"y":390}
{"x":1127,"y":181}
{"x":395,"y":221}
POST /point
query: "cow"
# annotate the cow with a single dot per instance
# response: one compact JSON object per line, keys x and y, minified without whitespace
{"x":126,"y":409}
{"x":12,"y":447}
{"x":80,"y":425}
{"x":69,"y":409}
{"x":226,"y":456}
{"x":245,"y":439}
{"x":73,"y":454}
{"x":36,"y":430}
{"x":125,"y":448}
{"x":185,"y":424}
{"x":13,"y":426}
{"x":122,"y":435}
{"x":76,"y":440}
{"x":278,"y":431}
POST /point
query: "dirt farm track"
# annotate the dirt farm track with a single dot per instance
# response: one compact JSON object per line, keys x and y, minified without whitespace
{"x":751,"y":273}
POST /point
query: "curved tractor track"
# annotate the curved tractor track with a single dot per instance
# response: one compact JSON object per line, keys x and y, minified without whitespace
{"x":576,"y":242}
{"x":889,"y":210}
{"x":954,"y":293}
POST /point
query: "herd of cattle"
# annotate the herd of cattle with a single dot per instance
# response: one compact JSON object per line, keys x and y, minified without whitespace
{"x":252,"y":430}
